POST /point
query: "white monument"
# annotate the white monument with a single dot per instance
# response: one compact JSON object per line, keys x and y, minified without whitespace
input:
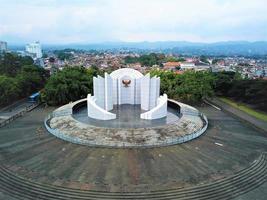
{"x":126,"y":86}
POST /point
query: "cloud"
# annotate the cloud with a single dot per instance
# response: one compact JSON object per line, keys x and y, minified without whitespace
{"x":56,"y":21}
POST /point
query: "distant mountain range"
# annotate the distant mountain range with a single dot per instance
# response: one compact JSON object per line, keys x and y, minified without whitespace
{"x":180,"y":47}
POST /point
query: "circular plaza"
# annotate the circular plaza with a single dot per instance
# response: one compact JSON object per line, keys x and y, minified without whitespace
{"x":182,"y":123}
{"x":225,"y":162}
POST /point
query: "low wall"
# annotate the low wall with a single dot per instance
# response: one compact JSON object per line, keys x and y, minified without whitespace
{"x":79,"y":105}
{"x":19,"y":114}
{"x":96,"y":112}
{"x":157,"y":112}
{"x":68,"y":108}
{"x":170,"y":103}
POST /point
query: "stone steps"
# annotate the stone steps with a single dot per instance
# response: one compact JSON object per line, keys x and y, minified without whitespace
{"x":227,"y":188}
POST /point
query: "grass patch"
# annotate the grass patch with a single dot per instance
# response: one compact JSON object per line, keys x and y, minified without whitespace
{"x":245,"y":108}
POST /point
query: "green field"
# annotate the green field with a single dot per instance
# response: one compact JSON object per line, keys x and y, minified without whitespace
{"x":245,"y":108}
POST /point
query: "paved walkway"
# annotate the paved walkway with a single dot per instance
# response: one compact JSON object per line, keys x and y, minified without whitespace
{"x":13,"y":109}
{"x":257,"y":123}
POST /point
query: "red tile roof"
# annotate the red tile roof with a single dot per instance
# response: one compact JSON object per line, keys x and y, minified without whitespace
{"x":172,"y":64}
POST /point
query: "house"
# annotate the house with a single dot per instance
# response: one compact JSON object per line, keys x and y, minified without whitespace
{"x":172,"y":66}
{"x":187,"y":65}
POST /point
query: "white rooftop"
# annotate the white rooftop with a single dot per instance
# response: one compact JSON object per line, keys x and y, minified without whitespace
{"x":126,"y":72}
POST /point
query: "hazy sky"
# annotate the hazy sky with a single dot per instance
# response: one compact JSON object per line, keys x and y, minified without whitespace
{"x":93,"y":21}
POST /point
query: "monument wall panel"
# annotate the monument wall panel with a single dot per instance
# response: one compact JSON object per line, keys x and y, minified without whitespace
{"x":100,"y":94}
{"x":137,"y":91}
{"x":115,"y":91}
{"x":153,"y":94}
{"x":145,"y":93}
{"x":158,"y":87}
{"x":108,"y":92}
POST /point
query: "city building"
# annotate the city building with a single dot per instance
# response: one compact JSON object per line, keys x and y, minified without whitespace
{"x":200,"y":66}
{"x":187,"y":65}
{"x":35,"y":49}
{"x":3,"y":46}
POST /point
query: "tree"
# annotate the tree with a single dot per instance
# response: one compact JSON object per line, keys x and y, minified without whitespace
{"x":224,"y":81}
{"x":51,"y":59}
{"x":215,"y":61}
{"x":45,"y":55}
{"x":146,"y":60}
{"x":252,"y":92}
{"x":30,"y":79}
{"x":19,"y":77}
{"x":9,"y":90}
{"x":26,"y":60}
{"x":70,"y":84}
{"x":231,"y":84}
{"x":203,"y":59}
{"x":63,"y":54}
{"x":10,"y":64}
{"x":188,"y":87}
{"x":174,"y":59}
{"x":130,"y":59}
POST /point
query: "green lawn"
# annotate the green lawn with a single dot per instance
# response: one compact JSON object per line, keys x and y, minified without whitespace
{"x":245,"y":108}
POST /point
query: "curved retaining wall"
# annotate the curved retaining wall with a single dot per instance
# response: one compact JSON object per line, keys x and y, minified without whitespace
{"x":96,"y":112}
{"x":157,"y":112}
{"x":167,"y":142}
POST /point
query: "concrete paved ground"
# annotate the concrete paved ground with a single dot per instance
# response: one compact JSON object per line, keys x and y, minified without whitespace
{"x":228,"y":146}
{"x":5,"y":197}
{"x":13,"y":109}
{"x":259,"y":193}
{"x":258,"y":123}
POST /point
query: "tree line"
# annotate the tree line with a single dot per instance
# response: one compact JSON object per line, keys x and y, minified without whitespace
{"x":19,"y":77}
{"x":252,"y":92}
{"x":64,"y":54}
{"x":72,"y":84}
{"x":152,"y":59}
{"x":190,"y":87}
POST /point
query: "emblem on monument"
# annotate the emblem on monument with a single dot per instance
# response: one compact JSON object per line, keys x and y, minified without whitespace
{"x":126,"y":82}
